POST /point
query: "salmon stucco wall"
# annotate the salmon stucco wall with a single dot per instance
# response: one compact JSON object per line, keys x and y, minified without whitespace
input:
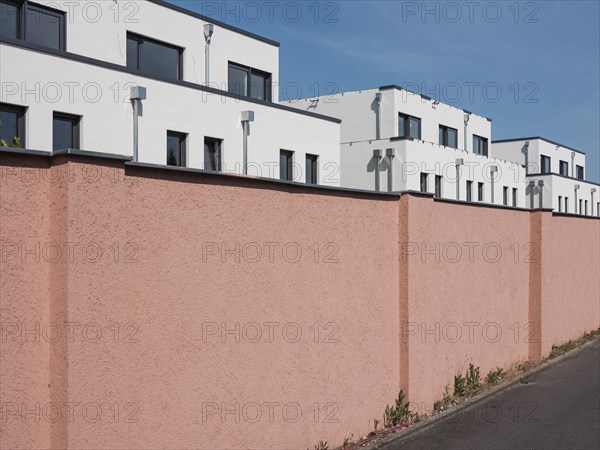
{"x":204,"y":312}
{"x":152,"y":307}
{"x":468,"y":293}
{"x":570,"y":282}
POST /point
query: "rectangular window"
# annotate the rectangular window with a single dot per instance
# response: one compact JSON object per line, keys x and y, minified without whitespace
{"x":311,"y":169}
{"x":469,"y":191}
{"x":286,"y":165}
{"x":409,"y":126}
{"x":154,"y":57}
{"x":586,"y":205}
{"x":33,"y":23}
{"x":566,"y":204}
{"x":505,"y":195}
{"x":563,"y":168}
{"x":212,"y":154}
{"x":515,"y":201}
{"x":249,"y":82}
{"x":65,"y":131}
{"x":560,"y":203}
{"x":10,"y":19}
{"x":12,"y":126}
{"x":579,"y":173}
{"x":480,"y":145}
{"x":545,"y":166}
{"x":480,"y":192}
{"x":424,"y":182}
{"x":448,"y":136}
{"x":176,"y":148}
{"x":438,"y":186}
{"x":598,"y":209}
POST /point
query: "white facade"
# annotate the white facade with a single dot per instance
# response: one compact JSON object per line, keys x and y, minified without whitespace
{"x":370,"y":121}
{"x":91,"y":80}
{"x":549,"y":185}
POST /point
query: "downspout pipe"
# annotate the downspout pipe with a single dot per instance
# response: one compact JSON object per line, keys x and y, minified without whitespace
{"x":526,"y":152}
{"x":541,"y":188}
{"x":466,"y":119}
{"x":459,"y":162}
{"x":592,"y":210}
{"x":377,"y":155}
{"x":378,"y":96}
{"x":136,"y":95}
{"x":577,"y":186}
{"x":247,"y":117}
{"x":390,"y":153}
{"x":572,"y":164}
{"x":208,"y":32}
{"x":493,"y":172}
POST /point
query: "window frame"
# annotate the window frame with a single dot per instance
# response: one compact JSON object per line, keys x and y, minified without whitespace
{"x":469,"y":191}
{"x":515,"y":198}
{"x":182,"y":147}
{"x":406,"y":118}
{"x":21,"y":112}
{"x":268,"y":87}
{"x":562,"y":164}
{"x":444,"y":129}
{"x":286,"y":173}
{"x":544,"y":158}
{"x":314,"y":168}
{"x":437,"y":186}
{"x":140,"y":52}
{"x":480,"y":191}
{"x":218,"y":153}
{"x":24,"y":6}
{"x":578,"y":169}
{"x":75,"y":130}
{"x":481,"y":140}
{"x":560,"y":199}
{"x":505,"y":195}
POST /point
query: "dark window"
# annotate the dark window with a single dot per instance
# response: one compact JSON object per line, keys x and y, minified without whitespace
{"x":598,"y":209}
{"x":10,"y":19}
{"x":286,"y":165}
{"x":424,"y":184}
{"x":448,"y":136}
{"x":438,"y":186}
{"x":515,"y":201}
{"x":586,"y":205}
{"x":212,"y":154}
{"x":563,"y":168}
{"x":175,"y":149}
{"x":480,"y":192}
{"x":480,"y":145}
{"x":311,"y":169}
{"x":154,"y":57}
{"x":409,"y":126}
{"x":545,"y":164}
{"x":505,"y":195}
{"x":249,"y":82}
{"x":560,"y":203}
{"x":579,"y":173}
{"x":12,"y":125}
{"x":33,"y":23}
{"x":469,"y":191}
{"x":566,"y":204}
{"x":580,"y":207}
{"x":65,"y":131}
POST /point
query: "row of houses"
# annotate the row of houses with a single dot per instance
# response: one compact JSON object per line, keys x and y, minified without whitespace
{"x":167,"y":86}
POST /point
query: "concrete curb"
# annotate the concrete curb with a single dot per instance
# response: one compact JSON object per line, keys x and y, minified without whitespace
{"x":496,"y":390}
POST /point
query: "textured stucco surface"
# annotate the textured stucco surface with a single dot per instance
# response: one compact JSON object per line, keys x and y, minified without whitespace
{"x":159,"y":293}
{"x":570,"y":278}
{"x":466,"y":293}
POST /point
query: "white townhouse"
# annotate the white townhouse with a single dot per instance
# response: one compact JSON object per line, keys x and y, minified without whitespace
{"x":555,"y":175}
{"x":156,"y":82}
{"x":396,"y":140}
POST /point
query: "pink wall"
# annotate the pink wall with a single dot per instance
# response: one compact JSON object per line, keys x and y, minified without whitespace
{"x":159,"y":294}
{"x":570,"y":278}
{"x":468,"y":298}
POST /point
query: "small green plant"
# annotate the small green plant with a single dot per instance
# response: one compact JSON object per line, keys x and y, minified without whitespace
{"x":399,"y":413}
{"x":473,"y":379}
{"x":376,"y":424}
{"x":347,"y":442}
{"x":494,"y":376}
{"x":322,"y":446}
{"x":459,"y":385}
{"x":445,"y":401}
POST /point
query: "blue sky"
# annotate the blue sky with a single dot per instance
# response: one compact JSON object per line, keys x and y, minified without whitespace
{"x":534,"y":68}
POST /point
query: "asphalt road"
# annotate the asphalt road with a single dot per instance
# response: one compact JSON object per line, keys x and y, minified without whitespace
{"x":557,"y":408}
